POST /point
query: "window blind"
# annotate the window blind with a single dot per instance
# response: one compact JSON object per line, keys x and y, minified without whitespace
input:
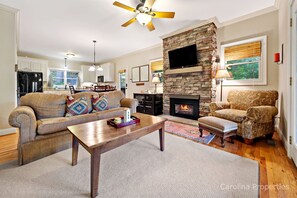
{"x":157,"y":65}
{"x":247,"y":50}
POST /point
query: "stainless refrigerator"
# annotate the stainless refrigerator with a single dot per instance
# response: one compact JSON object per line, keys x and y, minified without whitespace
{"x":29,"y":82}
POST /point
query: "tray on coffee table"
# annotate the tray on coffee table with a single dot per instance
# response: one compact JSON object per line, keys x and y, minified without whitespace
{"x":133,"y":120}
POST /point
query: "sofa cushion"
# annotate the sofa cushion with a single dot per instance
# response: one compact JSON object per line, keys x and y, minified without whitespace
{"x":242,"y":100}
{"x":114,"y":98}
{"x":53,"y":125}
{"x":45,"y":105}
{"x":76,"y":107}
{"x":99,"y":103}
{"x":231,"y":114}
{"x":88,"y":95}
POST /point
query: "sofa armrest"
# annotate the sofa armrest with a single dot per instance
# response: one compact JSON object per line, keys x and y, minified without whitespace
{"x":23,"y":117}
{"x":214,"y":106}
{"x":262,"y":114}
{"x":130,"y":103}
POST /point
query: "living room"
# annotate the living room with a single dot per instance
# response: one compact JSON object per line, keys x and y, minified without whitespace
{"x":139,"y":63}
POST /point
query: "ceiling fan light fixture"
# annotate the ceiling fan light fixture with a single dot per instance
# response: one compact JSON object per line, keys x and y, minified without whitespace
{"x":143,"y":18}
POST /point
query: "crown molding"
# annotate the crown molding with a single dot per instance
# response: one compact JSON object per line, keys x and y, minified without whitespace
{"x":199,"y":24}
{"x":251,"y":15}
{"x":277,"y":3}
{"x":8,"y":9}
{"x":133,"y":53}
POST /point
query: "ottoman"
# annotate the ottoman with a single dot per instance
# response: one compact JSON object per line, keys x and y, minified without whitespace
{"x":218,"y":126}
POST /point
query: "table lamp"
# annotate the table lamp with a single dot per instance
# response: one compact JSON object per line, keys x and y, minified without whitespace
{"x":156,"y":80}
{"x":222,"y":74}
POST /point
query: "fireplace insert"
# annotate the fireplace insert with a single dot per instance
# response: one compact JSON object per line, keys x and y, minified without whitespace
{"x":187,"y":107}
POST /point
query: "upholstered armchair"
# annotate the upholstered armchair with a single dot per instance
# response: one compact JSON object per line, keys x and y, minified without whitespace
{"x":253,"y":111}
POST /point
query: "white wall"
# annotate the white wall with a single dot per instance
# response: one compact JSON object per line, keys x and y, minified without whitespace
{"x":136,"y":59}
{"x":7,"y":63}
{"x":266,"y":24}
{"x":284,"y":72}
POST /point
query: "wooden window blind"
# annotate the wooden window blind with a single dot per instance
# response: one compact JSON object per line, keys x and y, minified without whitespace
{"x":242,"y":51}
{"x":157,"y":65}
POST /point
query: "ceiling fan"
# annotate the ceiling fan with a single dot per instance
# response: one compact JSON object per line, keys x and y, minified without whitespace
{"x":144,"y":13}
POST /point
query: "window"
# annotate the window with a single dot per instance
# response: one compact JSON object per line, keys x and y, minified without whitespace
{"x":60,"y":78}
{"x":246,"y":61}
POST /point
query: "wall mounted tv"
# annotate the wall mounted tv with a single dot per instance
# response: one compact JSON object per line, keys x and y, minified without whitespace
{"x":183,"y":57}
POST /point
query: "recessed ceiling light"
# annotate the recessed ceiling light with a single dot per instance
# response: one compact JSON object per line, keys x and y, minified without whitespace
{"x":69,"y":54}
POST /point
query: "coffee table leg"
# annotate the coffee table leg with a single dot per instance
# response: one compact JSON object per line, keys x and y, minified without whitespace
{"x":161,"y":137}
{"x":74,"y":150}
{"x":95,"y":166}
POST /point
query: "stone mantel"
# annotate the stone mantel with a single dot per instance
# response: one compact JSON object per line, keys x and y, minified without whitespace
{"x":192,"y":81}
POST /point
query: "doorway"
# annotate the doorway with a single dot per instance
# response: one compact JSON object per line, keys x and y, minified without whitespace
{"x":293,"y":137}
{"x":123,"y":81}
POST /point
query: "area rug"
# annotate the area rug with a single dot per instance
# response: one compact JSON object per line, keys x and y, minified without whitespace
{"x":188,"y":131}
{"x":138,"y":169}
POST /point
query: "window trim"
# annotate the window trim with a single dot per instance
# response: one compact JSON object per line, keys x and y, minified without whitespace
{"x":262,"y":80}
{"x":65,"y":75}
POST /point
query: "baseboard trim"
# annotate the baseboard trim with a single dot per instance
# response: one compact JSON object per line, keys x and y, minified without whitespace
{"x":7,"y":131}
{"x":284,"y":141}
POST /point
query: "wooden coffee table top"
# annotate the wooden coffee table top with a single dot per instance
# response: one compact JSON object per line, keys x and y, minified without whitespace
{"x":94,"y":134}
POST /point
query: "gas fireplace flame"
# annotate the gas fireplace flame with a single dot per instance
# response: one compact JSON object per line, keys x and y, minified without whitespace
{"x":184,"y":107}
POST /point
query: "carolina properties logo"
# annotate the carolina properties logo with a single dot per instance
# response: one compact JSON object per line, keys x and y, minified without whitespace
{"x":253,"y":187}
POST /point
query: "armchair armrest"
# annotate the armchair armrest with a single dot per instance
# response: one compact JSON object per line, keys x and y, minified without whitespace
{"x":23,"y":117}
{"x":130,"y":103}
{"x":214,"y":106}
{"x":262,"y":114}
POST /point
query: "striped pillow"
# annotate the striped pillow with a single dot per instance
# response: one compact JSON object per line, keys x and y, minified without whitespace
{"x":76,"y":107}
{"x":99,"y":104}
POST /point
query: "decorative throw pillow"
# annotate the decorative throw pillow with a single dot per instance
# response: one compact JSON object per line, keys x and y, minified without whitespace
{"x":99,"y":104}
{"x":76,"y":107}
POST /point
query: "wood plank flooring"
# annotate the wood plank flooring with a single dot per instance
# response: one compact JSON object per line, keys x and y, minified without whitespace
{"x":278,"y":173}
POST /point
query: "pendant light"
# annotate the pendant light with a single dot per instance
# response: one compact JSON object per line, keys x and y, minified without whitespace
{"x":65,"y":66}
{"x":93,"y":67}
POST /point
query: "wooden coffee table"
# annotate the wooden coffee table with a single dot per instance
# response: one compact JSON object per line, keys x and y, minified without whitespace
{"x":98,"y":137}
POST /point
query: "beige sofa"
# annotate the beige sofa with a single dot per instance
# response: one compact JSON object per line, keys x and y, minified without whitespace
{"x":253,"y":111}
{"x":43,"y":126}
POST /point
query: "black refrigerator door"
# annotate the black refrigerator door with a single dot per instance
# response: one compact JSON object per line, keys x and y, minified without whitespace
{"x":35,"y":82}
{"x":29,"y":82}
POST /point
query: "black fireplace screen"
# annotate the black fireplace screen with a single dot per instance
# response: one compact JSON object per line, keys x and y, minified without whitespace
{"x":186,"y":108}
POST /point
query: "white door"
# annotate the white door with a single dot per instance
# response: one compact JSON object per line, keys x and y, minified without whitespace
{"x":293,"y":149}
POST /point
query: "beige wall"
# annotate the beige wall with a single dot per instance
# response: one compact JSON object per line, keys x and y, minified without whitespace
{"x":266,"y":24}
{"x":136,"y":59}
{"x":7,"y":62}
{"x":284,"y":72}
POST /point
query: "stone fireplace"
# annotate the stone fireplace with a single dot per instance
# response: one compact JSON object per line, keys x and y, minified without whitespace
{"x":194,"y":81}
{"x":184,"y":106}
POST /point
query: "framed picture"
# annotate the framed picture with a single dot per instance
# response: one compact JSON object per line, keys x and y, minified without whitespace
{"x":144,"y":73}
{"x":135,"y":74}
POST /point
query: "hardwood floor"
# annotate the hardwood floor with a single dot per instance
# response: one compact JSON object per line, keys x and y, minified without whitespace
{"x":278,"y":173}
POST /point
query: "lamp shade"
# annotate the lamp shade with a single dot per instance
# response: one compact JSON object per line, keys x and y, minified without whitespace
{"x":143,"y":18}
{"x":156,"y":79}
{"x":222,"y":73}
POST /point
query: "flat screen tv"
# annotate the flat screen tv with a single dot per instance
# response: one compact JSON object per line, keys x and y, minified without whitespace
{"x":183,"y":57}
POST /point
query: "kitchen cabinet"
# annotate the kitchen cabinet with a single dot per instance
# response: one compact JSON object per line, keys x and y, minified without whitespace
{"x":88,"y":76}
{"x":107,"y":72}
{"x":33,"y":65}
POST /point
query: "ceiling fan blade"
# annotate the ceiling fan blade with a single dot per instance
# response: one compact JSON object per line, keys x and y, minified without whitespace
{"x":149,"y":3}
{"x":116,"y":3}
{"x":129,"y":22}
{"x":150,"y":26}
{"x":163,"y":14}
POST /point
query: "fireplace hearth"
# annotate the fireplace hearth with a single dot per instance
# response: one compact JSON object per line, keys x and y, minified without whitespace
{"x":185,"y":106}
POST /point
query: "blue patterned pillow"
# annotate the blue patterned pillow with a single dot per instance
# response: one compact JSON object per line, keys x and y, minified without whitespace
{"x":76,"y":107}
{"x":99,"y":104}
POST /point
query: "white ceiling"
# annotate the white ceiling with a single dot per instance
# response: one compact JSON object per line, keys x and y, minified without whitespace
{"x":53,"y":27}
